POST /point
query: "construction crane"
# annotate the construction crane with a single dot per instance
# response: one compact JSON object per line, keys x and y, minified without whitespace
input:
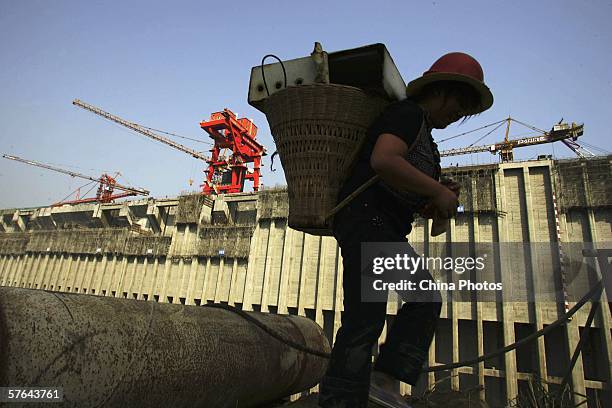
{"x":107,"y":184}
{"x":137,"y":128}
{"x":563,"y":132}
{"x":225,"y":173}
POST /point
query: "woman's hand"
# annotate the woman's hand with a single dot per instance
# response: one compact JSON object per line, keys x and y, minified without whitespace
{"x":444,"y":202}
{"x":451,"y":185}
{"x":430,"y":210}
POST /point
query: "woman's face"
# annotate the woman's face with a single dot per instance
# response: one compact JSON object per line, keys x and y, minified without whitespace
{"x":446,"y":110}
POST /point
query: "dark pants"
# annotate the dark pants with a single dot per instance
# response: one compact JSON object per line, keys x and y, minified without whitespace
{"x":347,"y":380}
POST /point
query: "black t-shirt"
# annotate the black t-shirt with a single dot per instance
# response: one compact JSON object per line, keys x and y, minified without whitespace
{"x":403,"y":119}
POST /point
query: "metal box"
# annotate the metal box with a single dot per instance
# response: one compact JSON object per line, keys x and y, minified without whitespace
{"x":370,"y":68}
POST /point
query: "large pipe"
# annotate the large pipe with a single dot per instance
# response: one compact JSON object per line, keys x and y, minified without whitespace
{"x":108,"y":352}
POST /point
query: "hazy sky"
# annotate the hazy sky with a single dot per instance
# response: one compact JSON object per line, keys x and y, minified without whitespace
{"x":168,"y":65}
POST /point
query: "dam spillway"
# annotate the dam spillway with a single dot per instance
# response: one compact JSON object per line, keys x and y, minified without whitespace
{"x":237,"y":249}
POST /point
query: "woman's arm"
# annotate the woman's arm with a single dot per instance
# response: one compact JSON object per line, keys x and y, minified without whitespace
{"x":388,"y":162}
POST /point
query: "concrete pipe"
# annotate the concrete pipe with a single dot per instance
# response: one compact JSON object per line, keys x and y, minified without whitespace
{"x":108,"y":352}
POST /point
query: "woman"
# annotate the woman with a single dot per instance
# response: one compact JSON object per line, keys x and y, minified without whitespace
{"x":400,"y":149}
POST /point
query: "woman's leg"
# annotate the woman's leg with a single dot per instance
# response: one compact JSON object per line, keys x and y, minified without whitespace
{"x":406,"y":348}
{"x":346,"y":382}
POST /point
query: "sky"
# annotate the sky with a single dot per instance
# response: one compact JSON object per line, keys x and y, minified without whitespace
{"x":169,"y":65}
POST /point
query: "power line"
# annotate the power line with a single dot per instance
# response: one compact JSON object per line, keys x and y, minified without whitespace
{"x":472,"y":131}
{"x":176,"y":135}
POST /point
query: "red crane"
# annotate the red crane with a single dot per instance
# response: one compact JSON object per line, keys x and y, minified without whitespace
{"x":106,"y":187}
{"x":225,"y":173}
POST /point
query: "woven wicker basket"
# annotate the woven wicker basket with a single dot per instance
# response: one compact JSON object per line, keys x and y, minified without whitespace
{"x":318,"y":130}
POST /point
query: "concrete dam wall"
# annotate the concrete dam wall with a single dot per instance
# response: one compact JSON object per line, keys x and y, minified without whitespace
{"x":237,"y":249}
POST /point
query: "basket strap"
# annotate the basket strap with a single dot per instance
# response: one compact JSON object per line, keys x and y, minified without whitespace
{"x":354,"y":194}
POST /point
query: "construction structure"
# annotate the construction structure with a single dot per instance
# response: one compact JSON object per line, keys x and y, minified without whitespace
{"x":106,"y":184}
{"x":562,"y":132}
{"x":237,"y":249}
{"x":226,"y":173}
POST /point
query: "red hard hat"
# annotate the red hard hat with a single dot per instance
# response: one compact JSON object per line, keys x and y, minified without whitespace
{"x":455,"y":66}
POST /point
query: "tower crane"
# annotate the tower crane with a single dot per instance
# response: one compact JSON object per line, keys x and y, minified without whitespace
{"x":225,"y":174}
{"x":107,"y":184}
{"x":563,"y":132}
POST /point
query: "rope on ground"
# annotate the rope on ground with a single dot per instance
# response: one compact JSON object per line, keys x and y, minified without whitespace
{"x":593,"y":294}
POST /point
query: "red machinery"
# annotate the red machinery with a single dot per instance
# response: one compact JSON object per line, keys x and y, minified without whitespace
{"x":227,"y":173}
{"x":106,"y":187}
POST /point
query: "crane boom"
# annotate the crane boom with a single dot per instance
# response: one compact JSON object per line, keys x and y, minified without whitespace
{"x":579,"y":150}
{"x":561,"y":132}
{"x":102,"y":180}
{"x":137,"y":128}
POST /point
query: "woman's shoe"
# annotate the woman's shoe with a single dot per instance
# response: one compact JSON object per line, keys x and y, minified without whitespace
{"x":386,"y":399}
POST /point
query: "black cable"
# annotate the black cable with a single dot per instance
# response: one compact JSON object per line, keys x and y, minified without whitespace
{"x":487,"y":134}
{"x":266,"y":329}
{"x":471,"y":131}
{"x":262,"y":71}
{"x":176,"y":135}
{"x":593,"y":294}
{"x":529,"y":126}
{"x":272,"y":161}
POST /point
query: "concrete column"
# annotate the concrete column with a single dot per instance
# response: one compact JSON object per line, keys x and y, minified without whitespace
{"x":537,"y":306}
{"x":39,"y":271}
{"x":101,"y":275}
{"x":77,"y":271}
{"x":307,"y":243}
{"x":125,"y":214}
{"x":95,"y":273}
{"x":41,"y":277}
{"x":57,"y":267}
{"x":88,"y":271}
{"x":324,"y":275}
{"x":27,"y":277}
{"x":17,"y":268}
{"x":61,"y":273}
{"x":479,"y":325}
{"x":107,"y":282}
{"x":205,"y":286}
{"x":153,"y":285}
{"x":250,"y":272}
{"x":130,"y":278}
{"x":142,"y":279}
{"x":17,"y":263}
{"x":265,"y":287}
{"x":65,"y":274}
{"x":19,"y":223}
{"x":232,"y":289}
{"x":5,"y":269}
{"x":285,"y":271}
{"x":98,"y":213}
{"x":165,"y":279}
{"x":120,"y":283}
{"x":153,"y":217}
{"x":338,"y":292}
{"x":453,"y":309}
{"x":506,"y":275}
{"x":220,"y":278}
